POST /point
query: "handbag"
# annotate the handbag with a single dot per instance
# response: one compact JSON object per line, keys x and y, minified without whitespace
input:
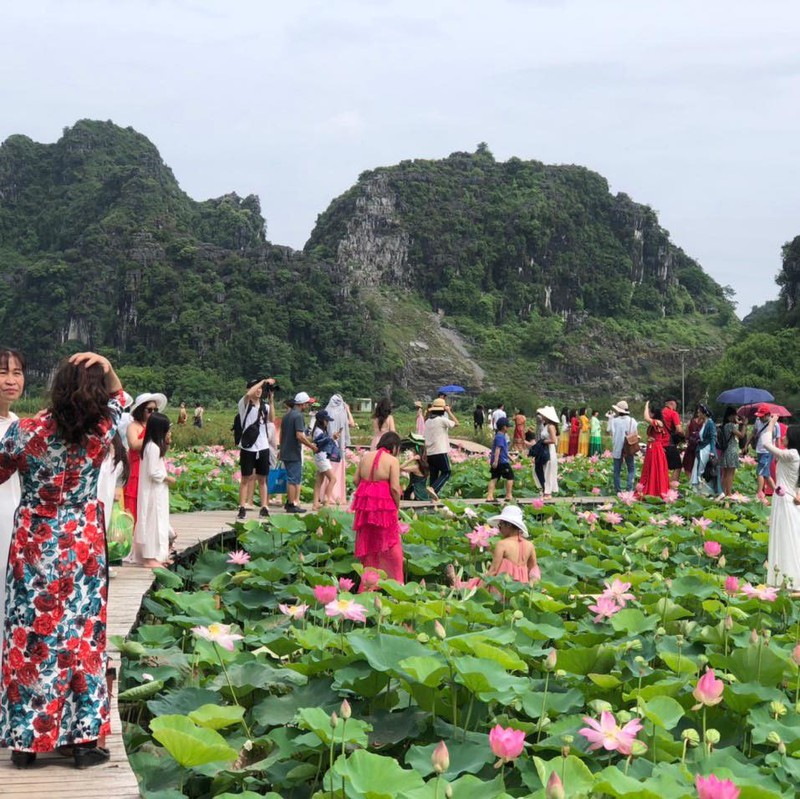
{"x":631,"y":445}
{"x":540,"y":452}
{"x":712,"y":468}
{"x":276,"y":481}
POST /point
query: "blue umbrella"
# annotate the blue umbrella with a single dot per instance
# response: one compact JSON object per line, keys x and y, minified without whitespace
{"x":452,"y":390}
{"x":744,"y":396}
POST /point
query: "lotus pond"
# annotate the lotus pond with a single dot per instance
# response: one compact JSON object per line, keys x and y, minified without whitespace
{"x":257,"y":671}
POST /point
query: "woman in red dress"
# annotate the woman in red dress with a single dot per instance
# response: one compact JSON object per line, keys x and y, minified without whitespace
{"x":574,"y":432}
{"x":655,"y":475}
{"x":375,"y":504}
{"x":142,"y":407}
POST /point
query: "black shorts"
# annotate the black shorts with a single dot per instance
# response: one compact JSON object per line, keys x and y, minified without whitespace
{"x":257,"y":462}
{"x":503,"y":470}
{"x":673,"y":458}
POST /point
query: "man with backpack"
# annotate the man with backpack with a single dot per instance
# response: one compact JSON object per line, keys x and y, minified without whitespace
{"x":250,"y":433}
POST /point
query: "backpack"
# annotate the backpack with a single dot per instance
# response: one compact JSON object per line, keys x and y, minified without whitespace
{"x":248,"y":436}
{"x":722,"y":444}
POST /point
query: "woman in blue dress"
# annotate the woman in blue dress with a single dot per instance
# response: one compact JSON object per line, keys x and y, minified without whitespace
{"x":53,"y":692}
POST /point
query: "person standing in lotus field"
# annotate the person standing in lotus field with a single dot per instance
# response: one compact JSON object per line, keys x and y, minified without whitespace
{"x":441,"y":420}
{"x":672,"y":422}
{"x":293,"y":439}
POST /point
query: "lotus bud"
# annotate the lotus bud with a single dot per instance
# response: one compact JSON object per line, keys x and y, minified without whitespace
{"x":600,"y":705}
{"x":728,"y":623}
{"x":378,"y":603}
{"x":517,"y":615}
{"x":668,"y":582}
{"x":773,"y":738}
{"x":345,"y":710}
{"x":665,"y":553}
{"x":555,"y":788}
{"x":661,"y":631}
{"x":712,"y":736}
{"x":550,"y":660}
{"x":753,"y":637}
{"x":777,"y":709}
{"x":439,"y":630}
{"x":247,"y":745}
{"x":639,"y":661}
{"x":440,"y":758}
{"x":301,"y":557}
{"x":448,"y":791}
{"x":636,"y":645}
{"x":565,"y":750}
{"x":568,"y":739}
{"x":560,"y":673}
{"x":781,"y":748}
{"x":691,"y":736}
{"x":722,"y":562}
{"x":423,"y":638}
{"x":638,"y":748}
{"x":334,"y":720}
{"x":680,"y":640}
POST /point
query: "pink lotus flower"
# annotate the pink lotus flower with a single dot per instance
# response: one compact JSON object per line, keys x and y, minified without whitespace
{"x":796,"y":654}
{"x":670,"y":497}
{"x":479,"y":537}
{"x":346,"y":608}
{"x":237,"y":477}
{"x":609,"y":735}
{"x":737,"y":497}
{"x":712,"y":548}
{"x":617,"y":590}
{"x":713,"y":788}
{"x":590,"y":517}
{"x":325,"y":593}
{"x":595,"y":491}
{"x":708,"y":690}
{"x":345,"y":584}
{"x":613,"y":518}
{"x":702,"y":522}
{"x":239,"y":557}
{"x":627,"y":497}
{"x":403,"y":528}
{"x":468,"y":513}
{"x":605,"y":607}
{"x":658,"y":522}
{"x":765,"y":592}
{"x":506,"y":743}
{"x":369,"y":580}
{"x":219,"y":634}
{"x":731,"y":585}
{"x":293,"y":611}
{"x":676,"y":520}
{"x":440,"y":758}
{"x":537,"y":503}
{"x":608,"y":453}
{"x":555,"y":788}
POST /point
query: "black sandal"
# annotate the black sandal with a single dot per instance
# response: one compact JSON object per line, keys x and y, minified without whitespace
{"x":22,"y":759}
{"x":87,"y":755}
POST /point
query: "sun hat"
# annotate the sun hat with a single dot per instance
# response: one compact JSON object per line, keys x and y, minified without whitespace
{"x":302,"y":398}
{"x":513,"y":515}
{"x":549,"y":412}
{"x":762,"y":410}
{"x":416,"y":438}
{"x":438,"y":405}
{"x":159,"y":399}
{"x":621,"y":407}
{"x":417,"y":404}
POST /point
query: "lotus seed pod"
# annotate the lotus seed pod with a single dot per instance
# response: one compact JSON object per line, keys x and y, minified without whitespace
{"x":712,"y":736}
{"x":560,"y":673}
{"x":247,"y":745}
{"x":599,"y":705}
{"x":679,"y":640}
{"x":518,"y":614}
{"x":767,"y":634}
{"x":638,"y":748}
{"x":345,"y":710}
{"x":636,"y":645}
{"x":573,"y":552}
{"x":334,"y":720}
{"x":639,"y":660}
{"x":703,"y":659}
{"x":777,"y":709}
{"x":439,"y":630}
{"x":661,"y":631}
{"x":692,"y":736}
{"x":385,"y":611}
{"x":773,"y":738}
{"x":423,"y":638}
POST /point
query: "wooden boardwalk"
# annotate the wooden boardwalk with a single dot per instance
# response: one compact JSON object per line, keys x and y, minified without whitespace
{"x":54,"y":777}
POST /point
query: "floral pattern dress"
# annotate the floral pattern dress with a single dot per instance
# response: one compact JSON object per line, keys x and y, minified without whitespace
{"x":53,"y":685}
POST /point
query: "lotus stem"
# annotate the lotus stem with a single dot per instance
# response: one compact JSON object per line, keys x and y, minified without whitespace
{"x":544,"y":705}
{"x":230,"y":688}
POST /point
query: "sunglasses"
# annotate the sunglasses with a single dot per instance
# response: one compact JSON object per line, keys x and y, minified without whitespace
{"x":151,"y":410}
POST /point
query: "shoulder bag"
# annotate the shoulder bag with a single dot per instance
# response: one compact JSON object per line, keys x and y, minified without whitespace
{"x":631,"y":445}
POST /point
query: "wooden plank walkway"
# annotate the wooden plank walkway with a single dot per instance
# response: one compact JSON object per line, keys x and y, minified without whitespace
{"x":56,"y":776}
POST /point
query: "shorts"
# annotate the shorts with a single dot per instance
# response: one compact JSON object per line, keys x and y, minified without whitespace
{"x":257,"y":462}
{"x":294,"y":472}
{"x":503,"y":470}
{"x":322,"y":462}
{"x":673,"y":458}
{"x":764,"y":464}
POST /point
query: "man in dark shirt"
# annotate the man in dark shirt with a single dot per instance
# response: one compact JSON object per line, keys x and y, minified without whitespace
{"x":293,"y":438}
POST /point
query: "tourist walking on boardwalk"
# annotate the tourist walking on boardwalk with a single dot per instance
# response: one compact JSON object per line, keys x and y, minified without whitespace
{"x":783,"y":558}
{"x":382,"y":421}
{"x":12,"y":384}
{"x":54,"y":690}
{"x":254,"y":456}
{"x":293,"y":439}
{"x":142,"y":407}
{"x":546,"y":464}
{"x":441,"y":420}
{"x":705,"y":469}
{"x":478,"y":419}
{"x":375,"y":504}
{"x":500,"y":463}
{"x":731,"y":434}
{"x":655,"y":474}
{"x":763,"y":453}
{"x":520,"y":420}
{"x":620,"y":425}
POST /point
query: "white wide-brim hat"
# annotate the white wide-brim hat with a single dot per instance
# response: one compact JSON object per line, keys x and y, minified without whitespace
{"x":159,"y":399}
{"x":621,"y":407}
{"x":549,"y":413}
{"x":513,"y":515}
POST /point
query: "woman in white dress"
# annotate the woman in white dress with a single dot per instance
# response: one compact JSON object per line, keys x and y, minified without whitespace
{"x":548,"y":434}
{"x":12,"y":384}
{"x":783,"y":558}
{"x":151,"y":535}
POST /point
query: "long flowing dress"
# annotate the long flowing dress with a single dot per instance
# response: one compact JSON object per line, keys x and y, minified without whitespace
{"x":337,"y":408}
{"x":54,"y":657}
{"x":131,"y":492}
{"x":706,"y":443}
{"x":783,"y":553}
{"x":655,"y":474}
{"x":377,"y":526}
{"x":595,"y":436}
{"x":551,"y":467}
{"x":583,"y":436}
{"x":692,"y":440}
{"x":151,"y":535}
{"x":10,"y":493}
{"x":574,"y":433}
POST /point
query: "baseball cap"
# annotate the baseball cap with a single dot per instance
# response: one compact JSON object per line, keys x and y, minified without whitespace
{"x":762,"y":410}
{"x":302,"y":398}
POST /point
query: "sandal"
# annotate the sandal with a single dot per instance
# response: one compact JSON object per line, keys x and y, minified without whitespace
{"x":87,"y":755}
{"x":22,"y":759}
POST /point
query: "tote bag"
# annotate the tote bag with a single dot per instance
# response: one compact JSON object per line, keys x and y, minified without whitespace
{"x":276,"y":482}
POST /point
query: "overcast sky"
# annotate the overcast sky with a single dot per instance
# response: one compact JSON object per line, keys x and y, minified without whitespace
{"x":692,"y":107}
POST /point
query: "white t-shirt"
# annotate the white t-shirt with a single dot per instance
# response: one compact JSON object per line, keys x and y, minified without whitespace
{"x":248,"y":415}
{"x":497,"y":415}
{"x":437,"y":438}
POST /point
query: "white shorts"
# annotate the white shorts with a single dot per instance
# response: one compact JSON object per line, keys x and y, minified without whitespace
{"x":322,"y":463}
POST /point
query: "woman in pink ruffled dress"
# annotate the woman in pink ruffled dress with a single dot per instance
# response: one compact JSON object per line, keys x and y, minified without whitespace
{"x":514,"y":555}
{"x":375,"y":504}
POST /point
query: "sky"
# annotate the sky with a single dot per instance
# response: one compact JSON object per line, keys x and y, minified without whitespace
{"x":689,"y":107}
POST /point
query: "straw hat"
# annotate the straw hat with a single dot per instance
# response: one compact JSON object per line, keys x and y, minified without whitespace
{"x":513,"y":515}
{"x":548,"y":412}
{"x":438,"y":405}
{"x":621,"y":407}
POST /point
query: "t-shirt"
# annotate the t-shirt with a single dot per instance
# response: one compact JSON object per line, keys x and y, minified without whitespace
{"x":497,"y":415}
{"x":292,"y":424}
{"x":619,"y":427}
{"x":248,"y":413}
{"x":759,"y":433}
{"x":671,"y":419}
{"x":477,"y":417}
{"x":437,"y":439}
{"x":500,"y":443}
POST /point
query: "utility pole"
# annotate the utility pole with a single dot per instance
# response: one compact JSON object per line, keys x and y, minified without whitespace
{"x":683,"y":382}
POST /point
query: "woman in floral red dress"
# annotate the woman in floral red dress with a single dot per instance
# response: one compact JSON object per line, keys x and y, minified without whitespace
{"x":53,"y":688}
